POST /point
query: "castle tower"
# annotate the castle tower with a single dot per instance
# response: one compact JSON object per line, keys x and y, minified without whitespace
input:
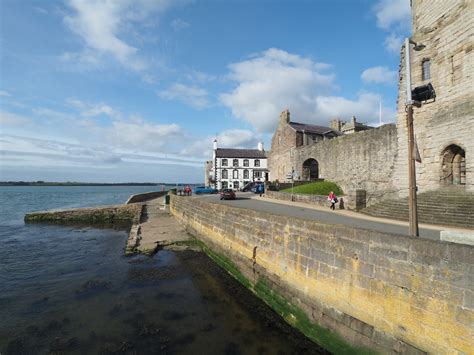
{"x":444,"y":128}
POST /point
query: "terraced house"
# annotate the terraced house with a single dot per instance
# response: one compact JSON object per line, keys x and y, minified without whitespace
{"x":236,"y":168}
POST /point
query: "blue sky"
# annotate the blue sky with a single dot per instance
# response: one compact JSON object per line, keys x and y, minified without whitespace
{"x":136,"y":90}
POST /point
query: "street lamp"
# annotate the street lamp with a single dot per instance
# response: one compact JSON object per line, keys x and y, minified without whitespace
{"x":412,"y":206}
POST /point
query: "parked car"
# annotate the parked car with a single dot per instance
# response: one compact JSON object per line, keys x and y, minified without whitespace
{"x":227,"y":194}
{"x":204,"y":190}
{"x":257,"y":187}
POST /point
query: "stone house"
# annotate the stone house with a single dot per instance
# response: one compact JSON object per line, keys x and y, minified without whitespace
{"x":235,"y":168}
{"x":290,"y":136}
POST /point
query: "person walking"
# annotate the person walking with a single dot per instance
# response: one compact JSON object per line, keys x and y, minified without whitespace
{"x":187,"y":191}
{"x":333,"y":200}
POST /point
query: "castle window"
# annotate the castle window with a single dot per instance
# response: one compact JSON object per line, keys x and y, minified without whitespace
{"x":235,"y":162}
{"x":257,"y":162}
{"x":235,"y":174}
{"x":224,"y":162}
{"x":246,"y":162}
{"x":225,"y":174}
{"x":246,"y":174}
{"x":425,"y":69}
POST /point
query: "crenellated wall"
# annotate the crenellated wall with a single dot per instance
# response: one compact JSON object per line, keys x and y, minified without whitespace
{"x":387,"y":292}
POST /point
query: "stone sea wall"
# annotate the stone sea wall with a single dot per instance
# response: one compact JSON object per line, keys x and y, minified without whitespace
{"x":103,"y":215}
{"x":390,"y":293}
{"x":146,"y":196}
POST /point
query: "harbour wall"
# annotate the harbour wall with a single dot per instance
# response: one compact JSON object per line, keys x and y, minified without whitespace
{"x":389,"y":293}
{"x":146,"y":196}
{"x":104,"y":215}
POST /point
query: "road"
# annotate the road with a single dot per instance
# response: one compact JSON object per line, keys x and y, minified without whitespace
{"x":352,"y":219}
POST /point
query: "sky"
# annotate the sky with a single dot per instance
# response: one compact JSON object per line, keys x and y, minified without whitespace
{"x":137,"y":90}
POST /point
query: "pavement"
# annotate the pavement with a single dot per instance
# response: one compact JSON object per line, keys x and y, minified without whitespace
{"x":317,"y":213}
{"x":158,"y":229}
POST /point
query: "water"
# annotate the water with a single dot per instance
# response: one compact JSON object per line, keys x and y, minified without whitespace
{"x":68,"y":289}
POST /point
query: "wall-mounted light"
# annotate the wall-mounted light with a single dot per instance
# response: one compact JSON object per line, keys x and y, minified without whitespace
{"x":423,"y":93}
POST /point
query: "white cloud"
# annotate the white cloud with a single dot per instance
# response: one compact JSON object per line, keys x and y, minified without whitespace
{"x":190,"y":95}
{"x":379,"y":75}
{"x":179,"y":24}
{"x":230,"y":138}
{"x":4,"y":93}
{"x":12,"y":119}
{"x":271,"y":81}
{"x":393,"y":13}
{"x":101,"y":25}
{"x":394,"y":16}
{"x":276,"y":79}
{"x":365,"y":108}
{"x":393,"y":43}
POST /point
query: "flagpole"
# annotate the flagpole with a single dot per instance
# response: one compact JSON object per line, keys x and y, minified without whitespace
{"x":380,"y":112}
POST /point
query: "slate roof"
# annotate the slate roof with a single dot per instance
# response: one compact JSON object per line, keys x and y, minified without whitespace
{"x":240,"y":153}
{"x":309,"y":128}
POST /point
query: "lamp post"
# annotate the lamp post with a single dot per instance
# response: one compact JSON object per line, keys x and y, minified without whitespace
{"x":412,"y":205}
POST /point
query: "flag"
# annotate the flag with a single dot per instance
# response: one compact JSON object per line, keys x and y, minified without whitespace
{"x":416,"y":152}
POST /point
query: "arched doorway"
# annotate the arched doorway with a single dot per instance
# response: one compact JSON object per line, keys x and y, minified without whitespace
{"x":453,"y":169}
{"x":310,"y":169}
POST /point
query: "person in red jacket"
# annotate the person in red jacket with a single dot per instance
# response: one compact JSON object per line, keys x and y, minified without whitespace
{"x":333,"y":200}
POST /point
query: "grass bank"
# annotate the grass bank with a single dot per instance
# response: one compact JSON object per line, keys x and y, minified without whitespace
{"x":316,"y":188}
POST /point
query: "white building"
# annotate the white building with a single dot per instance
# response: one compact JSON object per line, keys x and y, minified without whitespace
{"x":235,"y":168}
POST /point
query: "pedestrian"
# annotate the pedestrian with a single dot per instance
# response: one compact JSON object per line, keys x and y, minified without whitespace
{"x":187,"y":191}
{"x":332,"y":200}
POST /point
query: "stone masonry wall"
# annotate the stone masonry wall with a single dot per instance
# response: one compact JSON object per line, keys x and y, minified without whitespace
{"x":360,"y":161}
{"x":446,"y":28}
{"x":388,"y":292}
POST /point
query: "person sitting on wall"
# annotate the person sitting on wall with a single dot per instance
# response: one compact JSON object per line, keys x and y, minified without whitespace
{"x":332,"y":200}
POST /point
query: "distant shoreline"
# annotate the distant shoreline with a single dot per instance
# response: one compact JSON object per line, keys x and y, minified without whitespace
{"x":45,"y":183}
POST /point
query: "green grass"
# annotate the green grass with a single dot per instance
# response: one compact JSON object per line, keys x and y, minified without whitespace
{"x":316,"y":188}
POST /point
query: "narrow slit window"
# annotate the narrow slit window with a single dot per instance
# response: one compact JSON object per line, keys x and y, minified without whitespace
{"x":425,"y":70}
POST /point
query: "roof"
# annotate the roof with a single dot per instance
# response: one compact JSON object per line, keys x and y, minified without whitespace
{"x":309,"y":128}
{"x":240,"y":153}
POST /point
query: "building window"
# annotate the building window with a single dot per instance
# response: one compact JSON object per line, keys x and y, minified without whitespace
{"x":257,"y":162}
{"x":224,"y":184}
{"x":235,"y":162}
{"x":224,"y":162}
{"x":246,"y":162}
{"x":425,"y":69}
{"x":235,"y":174}
{"x":236,"y":185}
{"x":246,"y":174}
{"x":225,"y":174}
{"x":257,"y":174}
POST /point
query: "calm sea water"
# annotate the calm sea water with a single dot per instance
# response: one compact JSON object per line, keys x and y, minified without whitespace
{"x":69,"y":289}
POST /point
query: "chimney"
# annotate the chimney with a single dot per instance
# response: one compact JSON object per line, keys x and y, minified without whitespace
{"x":285,"y":117}
{"x":215,"y":144}
{"x":260,"y":146}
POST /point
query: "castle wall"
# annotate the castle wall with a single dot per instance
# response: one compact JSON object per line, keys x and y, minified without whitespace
{"x":359,"y":161}
{"x":392,"y":293}
{"x":446,"y":28}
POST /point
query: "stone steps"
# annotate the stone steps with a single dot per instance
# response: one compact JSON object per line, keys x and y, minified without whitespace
{"x":452,"y":207}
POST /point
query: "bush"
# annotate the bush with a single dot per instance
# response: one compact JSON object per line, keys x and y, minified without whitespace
{"x":317,"y":188}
